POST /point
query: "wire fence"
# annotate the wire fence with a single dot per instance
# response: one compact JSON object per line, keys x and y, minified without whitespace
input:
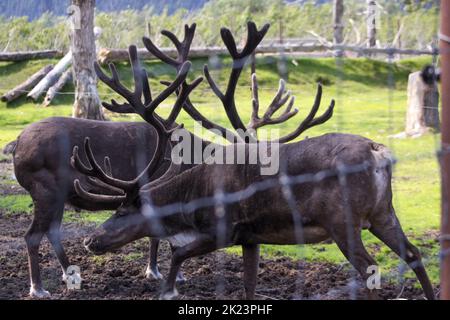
{"x":220,"y":204}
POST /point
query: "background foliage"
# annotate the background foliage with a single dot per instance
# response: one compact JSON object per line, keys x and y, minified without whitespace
{"x":290,"y":19}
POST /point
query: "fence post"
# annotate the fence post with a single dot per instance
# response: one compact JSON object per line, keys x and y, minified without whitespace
{"x":445,"y":159}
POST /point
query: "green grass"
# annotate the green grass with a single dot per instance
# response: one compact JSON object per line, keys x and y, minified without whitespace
{"x":134,"y":256}
{"x":13,"y":204}
{"x":370,"y":101}
{"x":97,"y":217}
{"x":16,"y":204}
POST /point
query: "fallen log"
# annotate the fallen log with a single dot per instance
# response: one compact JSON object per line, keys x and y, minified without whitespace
{"x":29,"y":55}
{"x":106,"y":55}
{"x":24,"y":87}
{"x":51,"y":77}
{"x":57,"y":87}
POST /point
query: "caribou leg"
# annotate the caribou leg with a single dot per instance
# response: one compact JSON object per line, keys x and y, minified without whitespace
{"x":152,"y":271}
{"x":353,"y":249}
{"x":197,"y":248}
{"x":180,"y":275}
{"x":54,"y":236}
{"x":33,"y":239}
{"x":48,"y":211}
{"x":250,"y":254}
{"x":152,"y":268}
{"x":388,"y":229}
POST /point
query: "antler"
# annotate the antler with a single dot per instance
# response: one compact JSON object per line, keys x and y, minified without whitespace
{"x":311,"y":120}
{"x":254,"y":37}
{"x":228,"y":97}
{"x":146,"y":110}
{"x":278,"y":101}
{"x":183,"y":48}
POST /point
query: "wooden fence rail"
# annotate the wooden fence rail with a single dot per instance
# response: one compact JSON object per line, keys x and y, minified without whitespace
{"x":110,"y":55}
{"x":106,"y":55}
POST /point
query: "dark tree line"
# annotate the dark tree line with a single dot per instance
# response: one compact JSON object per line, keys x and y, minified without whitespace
{"x":35,"y":8}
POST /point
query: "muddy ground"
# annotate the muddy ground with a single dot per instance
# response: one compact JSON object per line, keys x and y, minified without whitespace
{"x":120,"y":275}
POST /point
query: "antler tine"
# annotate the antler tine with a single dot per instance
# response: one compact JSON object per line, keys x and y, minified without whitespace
{"x":212,"y":83}
{"x":134,"y":98}
{"x":181,"y":77}
{"x":118,"y":107}
{"x":255,"y":99}
{"x":107,"y":199}
{"x":230,"y":43}
{"x":182,"y":94}
{"x":153,"y":49}
{"x":103,"y":185}
{"x":96,"y":171}
{"x":278,"y":101}
{"x":310,"y":121}
{"x":182,"y":47}
{"x":108,"y":171}
{"x":254,"y":37}
{"x":146,"y":87}
{"x":137,"y":72}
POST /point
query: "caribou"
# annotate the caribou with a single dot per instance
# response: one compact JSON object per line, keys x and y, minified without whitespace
{"x":41,"y":156}
{"x":328,"y":187}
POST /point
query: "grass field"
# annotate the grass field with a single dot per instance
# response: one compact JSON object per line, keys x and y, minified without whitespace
{"x":370,"y":101}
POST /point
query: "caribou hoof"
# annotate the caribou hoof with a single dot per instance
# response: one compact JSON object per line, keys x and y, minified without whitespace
{"x":39,"y":293}
{"x":169,"y":295}
{"x":153,"y":274}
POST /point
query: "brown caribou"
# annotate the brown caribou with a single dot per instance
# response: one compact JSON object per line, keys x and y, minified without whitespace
{"x":329,"y":187}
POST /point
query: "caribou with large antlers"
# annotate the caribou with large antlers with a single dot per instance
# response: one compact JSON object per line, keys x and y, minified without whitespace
{"x":42,"y":162}
{"x":332,"y":186}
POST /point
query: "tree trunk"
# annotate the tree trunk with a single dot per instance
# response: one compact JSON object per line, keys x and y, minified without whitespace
{"x":338,"y":35}
{"x":87,"y":102}
{"x":371,"y":23}
{"x":423,"y":106}
{"x":51,"y":78}
{"x":57,"y":87}
{"x":23,"y":88}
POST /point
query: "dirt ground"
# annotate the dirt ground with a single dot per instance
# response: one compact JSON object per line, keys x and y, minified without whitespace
{"x":120,"y":275}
